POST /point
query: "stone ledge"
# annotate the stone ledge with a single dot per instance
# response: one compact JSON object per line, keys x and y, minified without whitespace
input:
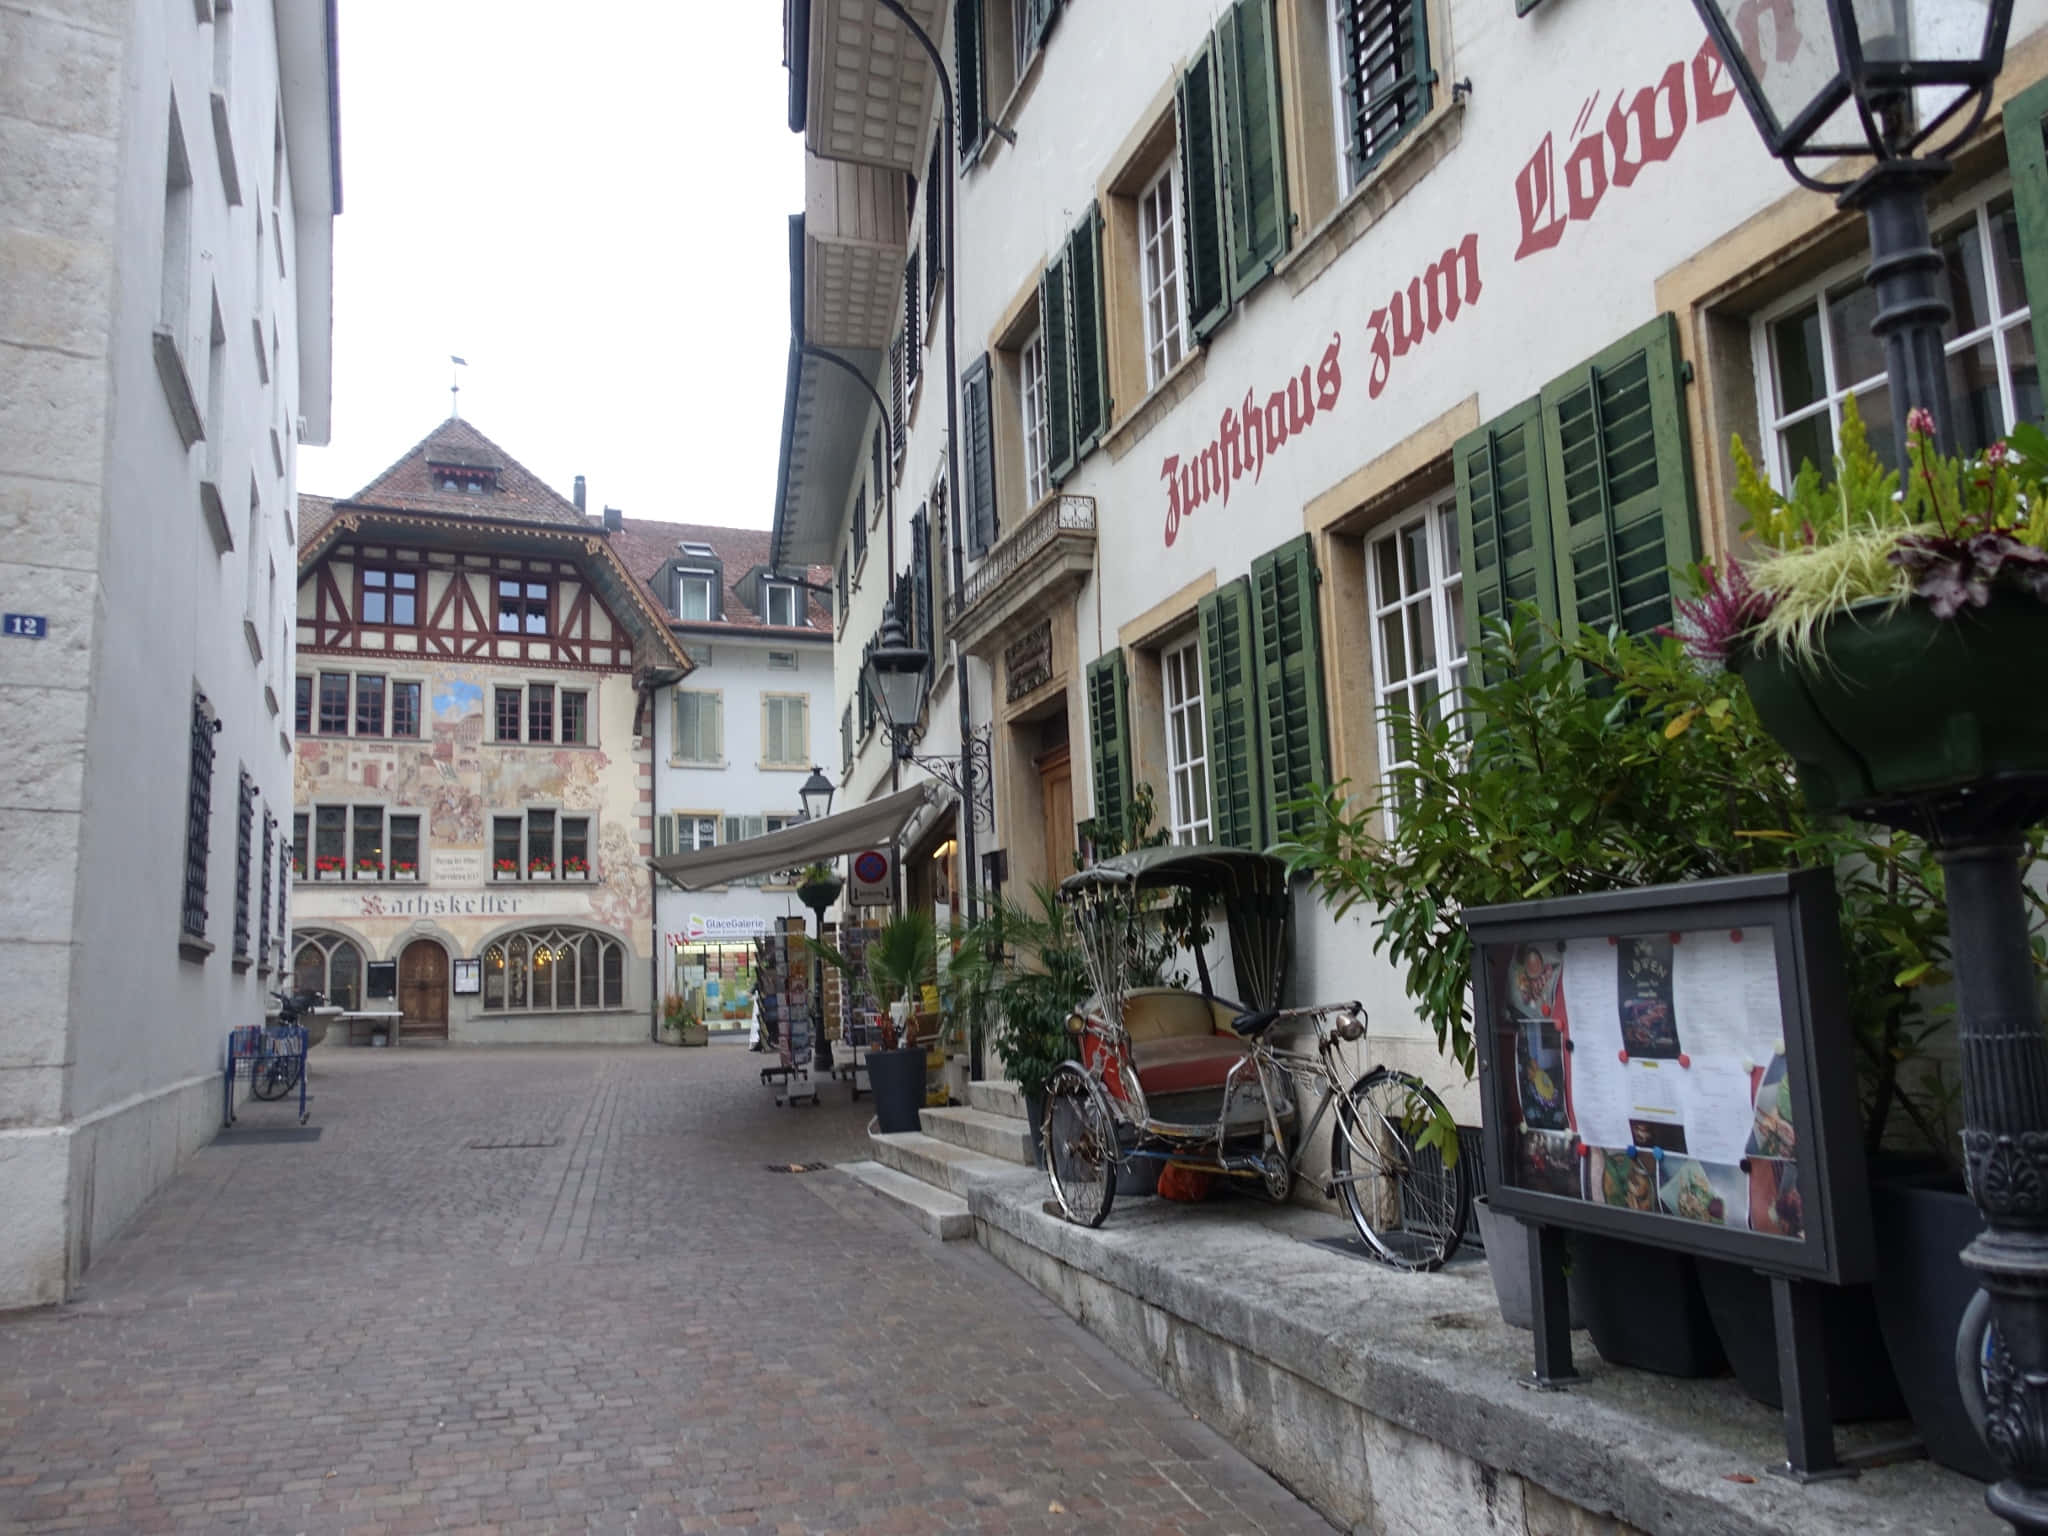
{"x":1393,"y":1402}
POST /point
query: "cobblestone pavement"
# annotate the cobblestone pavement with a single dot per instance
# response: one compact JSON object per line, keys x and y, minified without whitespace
{"x":554,"y":1290}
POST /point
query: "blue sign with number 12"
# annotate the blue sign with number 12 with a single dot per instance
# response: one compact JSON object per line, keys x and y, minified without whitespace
{"x":25,"y":626}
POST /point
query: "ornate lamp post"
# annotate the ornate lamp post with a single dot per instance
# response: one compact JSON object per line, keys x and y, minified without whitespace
{"x":1898,"y":84}
{"x":897,"y":675}
{"x":816,"y":796}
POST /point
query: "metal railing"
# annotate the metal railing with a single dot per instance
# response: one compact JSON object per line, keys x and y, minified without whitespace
{"x":1063,"y":514}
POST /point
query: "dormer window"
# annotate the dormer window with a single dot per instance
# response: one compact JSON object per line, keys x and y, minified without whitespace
{"x":693,"y":596}
{"x":701,"y":551}
{"x":464,"y":479}
{"x":779,"y":605}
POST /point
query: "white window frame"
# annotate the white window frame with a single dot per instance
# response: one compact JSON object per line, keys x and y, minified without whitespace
{"x":770,"y":591}
{"x":684,"y":581}
{"x":1037,"y":422}
{"x":702,"y":826}
{"x":803,"y":743}
{"x":1166,"y":336}
{"x":1434,"y":605}
{"x":1180,"y":685}
{"x":717,"y":705}
{"x":782,"y":661}
{"x":1834,"y":390}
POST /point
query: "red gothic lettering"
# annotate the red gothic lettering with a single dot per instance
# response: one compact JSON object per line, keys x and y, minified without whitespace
{"x":1254,"y":430}
{"x":1652,"y":146}
{"x":1382,"y":355}
{"x":1213,"y":478}
{"x":1170,"y":473}
{"x":1406,"y":309}
{"x":1536,"y":196}
{"x":1330,"y":377}
{"x":1585,"y":177}
{"x":1712,"y":96}
{"x":1276,"y":421}
{"x":1233,"y":448}
{"x":1449,"y":288}
{"x":1301,"y":403}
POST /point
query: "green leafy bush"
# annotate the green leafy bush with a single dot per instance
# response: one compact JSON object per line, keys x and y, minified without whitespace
{"x":1018,"y":971}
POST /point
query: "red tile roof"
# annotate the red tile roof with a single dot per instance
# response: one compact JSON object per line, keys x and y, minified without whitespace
{"x":646,"y":547}
{"x":410,"y":485}
{"x":315,"y":512}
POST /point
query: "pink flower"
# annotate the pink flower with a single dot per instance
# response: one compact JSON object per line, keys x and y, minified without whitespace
{"x":1998,"y":453}
{"x":1920,"y":420}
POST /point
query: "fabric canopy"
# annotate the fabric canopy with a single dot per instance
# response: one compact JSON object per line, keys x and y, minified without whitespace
{"x":808,"y":842}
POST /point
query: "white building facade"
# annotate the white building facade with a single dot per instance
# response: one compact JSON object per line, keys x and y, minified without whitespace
{"x":734,"y":742}
{"x":168,"y":184}
{"x":1295,"y":338}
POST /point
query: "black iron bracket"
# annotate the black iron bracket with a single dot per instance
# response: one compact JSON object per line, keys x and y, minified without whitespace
{"x":971,"y":776}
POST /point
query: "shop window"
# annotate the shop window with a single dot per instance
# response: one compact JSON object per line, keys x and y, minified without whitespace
{"x":522,"y":607}
{"x":1815,"y":350}
{"x":1418,"y":627}
{"x":554,"y":970}
{"x":331,"y":965}
{"x":1187,"y":743}
{"x":575,"y":717}
{"x":698,"y":727}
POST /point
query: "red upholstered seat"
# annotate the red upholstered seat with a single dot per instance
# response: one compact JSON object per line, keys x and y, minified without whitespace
{"x":1185,"y":1063}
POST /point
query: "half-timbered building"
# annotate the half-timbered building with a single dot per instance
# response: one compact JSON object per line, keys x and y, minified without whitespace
{"x":473,"y":717}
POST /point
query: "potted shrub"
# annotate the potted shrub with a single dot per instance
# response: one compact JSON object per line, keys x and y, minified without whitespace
{"x":900,"y":959}
{"x":675,"y":1016}
{"x":1593,"y":761}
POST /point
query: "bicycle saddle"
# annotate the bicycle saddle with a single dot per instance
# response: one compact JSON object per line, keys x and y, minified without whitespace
{"x":1252,"y":1025}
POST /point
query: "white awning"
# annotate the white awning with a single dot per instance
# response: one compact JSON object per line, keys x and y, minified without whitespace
{"x":808,"y":842}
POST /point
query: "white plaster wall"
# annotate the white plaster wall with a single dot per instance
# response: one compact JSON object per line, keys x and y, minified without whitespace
{"x":108,"y":1037}
{"x":1104,"y":68}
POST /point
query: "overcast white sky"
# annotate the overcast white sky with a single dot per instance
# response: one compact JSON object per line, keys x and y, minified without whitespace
{"x":589,"y":204}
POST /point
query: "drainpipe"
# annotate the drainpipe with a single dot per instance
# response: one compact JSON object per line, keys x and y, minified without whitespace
{"x":655,"y":991}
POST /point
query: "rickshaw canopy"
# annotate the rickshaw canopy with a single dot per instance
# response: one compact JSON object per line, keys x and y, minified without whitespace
{"x":1251,"y":888}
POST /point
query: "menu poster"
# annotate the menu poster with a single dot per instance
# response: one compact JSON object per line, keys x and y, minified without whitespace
{"x":1650,"y":1074}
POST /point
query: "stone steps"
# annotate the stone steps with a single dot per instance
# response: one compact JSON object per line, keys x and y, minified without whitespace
{"x":941,"y":1164}
{"x":980,"y":1131}
{"x":938,"y":1211}
{"x":997,"y":1098}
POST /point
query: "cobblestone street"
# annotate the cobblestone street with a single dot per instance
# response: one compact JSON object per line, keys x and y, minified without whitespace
{"x":543,"y":1290}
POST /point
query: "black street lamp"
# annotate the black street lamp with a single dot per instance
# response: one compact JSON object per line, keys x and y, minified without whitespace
{"x":898,"y":677}
{"x":816,"y":795}
{"x":1900,"y":83}
{"x":1887,"y":87}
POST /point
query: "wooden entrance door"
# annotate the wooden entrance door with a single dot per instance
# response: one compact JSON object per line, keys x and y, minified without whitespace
{"x":423,"y":990}
{"x":1056,"y":786}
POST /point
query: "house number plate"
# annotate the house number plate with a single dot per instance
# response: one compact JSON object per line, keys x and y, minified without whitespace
{"x":25,"y":626}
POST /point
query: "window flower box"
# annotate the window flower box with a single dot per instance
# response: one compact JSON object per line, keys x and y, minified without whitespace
{"x":328,"y":867}
{"x":540,"y":869}
{"x":505,"y":869}
{"x":369,"y":869}
{"x":575,"y":869}
{"x":403,"y":871}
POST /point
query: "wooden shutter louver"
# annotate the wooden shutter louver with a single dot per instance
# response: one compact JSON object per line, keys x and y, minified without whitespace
{"x":1230,"y":692}
{"x":921,"y":586}
{"x":1089,"y":352}
{"x":2026,"y":154}
{"x":1109,"y":741}
{"x":913,"y":315}
{"x":1292,"y":727}
{"x":1620,"y":487}
{"x":1504,"y":520}
{"x":1255,"y":180}
{"x":1055,"y":331}
{"x":1201,"y":195}
{"x":198,"y":817}
{"x":969,"y":78}
{"x":897,"y":387}
{"x":1383,"y":65}
{"x":978,"y":428}
{"x":934,"y":216}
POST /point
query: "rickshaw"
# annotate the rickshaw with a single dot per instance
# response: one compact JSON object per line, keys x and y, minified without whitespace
{"x":1180,"y":1076}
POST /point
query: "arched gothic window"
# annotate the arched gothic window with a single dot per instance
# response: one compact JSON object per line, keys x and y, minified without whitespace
{"x":331,"y":964}
{"x":554,"y":969}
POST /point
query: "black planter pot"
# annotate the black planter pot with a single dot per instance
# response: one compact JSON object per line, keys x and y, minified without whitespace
{"x":1906,"y":702}
{"x":1034,"y":1116}
{"x":896,"y":1079}
{"x":1643,"y":1307}
{"x":1921,"y":1290}
{"x":1860,"y":1381}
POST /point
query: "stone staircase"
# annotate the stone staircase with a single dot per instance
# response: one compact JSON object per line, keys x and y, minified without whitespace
{"x":928,"y":1174}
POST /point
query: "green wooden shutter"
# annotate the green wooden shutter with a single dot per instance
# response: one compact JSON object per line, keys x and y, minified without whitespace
{"x":1255,"y":181}
{"x":1620,"y":475}
{"x":1230,"y":671}
{"x":1292,"y":727}
{"x":664,"y":835}
{"x":1088,"y":360}
{"x":1504,"y":520}
{"x":2026,"y":153}
{"x":969,"y":77}
{"x":1201,"y":195}
{"x":1056,"y":335}
{"x":1109,"y":741}
{"x":978,"y":429}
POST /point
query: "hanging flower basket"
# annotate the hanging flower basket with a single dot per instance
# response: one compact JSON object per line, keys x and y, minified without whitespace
{"x":819,"y":894}
{"x":1907,"y":702}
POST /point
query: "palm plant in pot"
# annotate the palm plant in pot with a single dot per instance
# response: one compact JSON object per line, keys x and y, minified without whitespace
{"x":901,"y":959}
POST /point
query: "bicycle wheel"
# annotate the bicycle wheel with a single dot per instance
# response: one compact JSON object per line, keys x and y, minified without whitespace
{"x":1408,"y":1205}
{"x":1080,"y":1146}
{"x":269,"y":1078}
